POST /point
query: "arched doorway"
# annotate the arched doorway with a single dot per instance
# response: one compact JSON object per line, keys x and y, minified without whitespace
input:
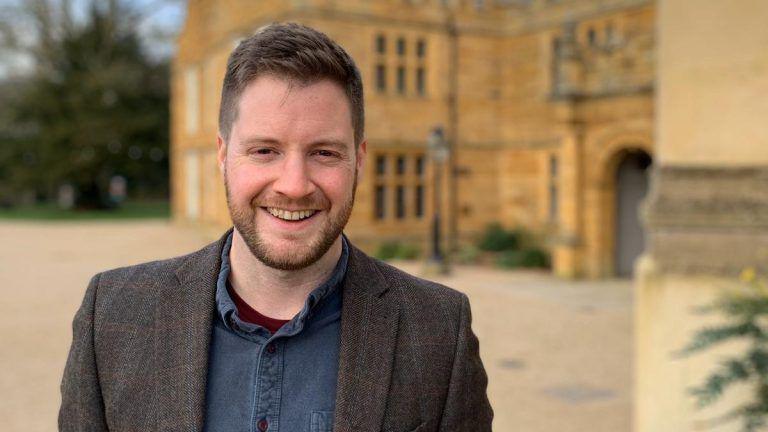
{"x":631,"y":187}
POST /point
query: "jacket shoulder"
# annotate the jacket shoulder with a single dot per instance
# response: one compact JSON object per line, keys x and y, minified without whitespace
{"x":416,"y":286}
{"x":136,"y":282}
{"x":430,"y":303}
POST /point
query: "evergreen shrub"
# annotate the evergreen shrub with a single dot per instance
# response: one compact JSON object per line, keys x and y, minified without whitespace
{"x":497,"y":239}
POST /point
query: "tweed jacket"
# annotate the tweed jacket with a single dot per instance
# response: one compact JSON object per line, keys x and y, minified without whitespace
{"x":408,"y":359}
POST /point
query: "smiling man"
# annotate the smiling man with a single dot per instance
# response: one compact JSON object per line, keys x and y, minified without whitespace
{"x":282,"y":324}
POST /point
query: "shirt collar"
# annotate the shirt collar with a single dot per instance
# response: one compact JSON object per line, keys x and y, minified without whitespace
{"x":228,"y":311}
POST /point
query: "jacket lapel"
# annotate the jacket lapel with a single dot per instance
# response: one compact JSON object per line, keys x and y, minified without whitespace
{"x":368,"y":335}
{"x":183,"y":323}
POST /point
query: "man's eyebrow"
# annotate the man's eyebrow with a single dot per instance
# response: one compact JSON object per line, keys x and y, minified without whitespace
{"x":259,"y":140}
{"x":337,"y":144}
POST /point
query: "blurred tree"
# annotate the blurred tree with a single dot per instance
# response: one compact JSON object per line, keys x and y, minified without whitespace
{"x":95,"y":105}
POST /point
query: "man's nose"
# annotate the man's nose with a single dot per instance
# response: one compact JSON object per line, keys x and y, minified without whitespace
{"x":293,"y":180}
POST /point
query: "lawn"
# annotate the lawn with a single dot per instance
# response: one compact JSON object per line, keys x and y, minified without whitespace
{"x":128,"y":210}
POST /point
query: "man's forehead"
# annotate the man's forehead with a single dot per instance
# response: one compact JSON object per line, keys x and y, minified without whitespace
{"x":271,"y":108}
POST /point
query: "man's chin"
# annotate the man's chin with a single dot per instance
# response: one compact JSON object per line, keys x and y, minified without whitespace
{"x":288,"y":253}
{"x":290,"y":261}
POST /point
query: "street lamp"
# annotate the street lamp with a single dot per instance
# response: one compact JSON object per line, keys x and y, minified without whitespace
{"x":438,"y":153}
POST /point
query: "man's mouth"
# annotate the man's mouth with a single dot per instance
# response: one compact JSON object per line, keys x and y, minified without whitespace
{"x":290,"y":215}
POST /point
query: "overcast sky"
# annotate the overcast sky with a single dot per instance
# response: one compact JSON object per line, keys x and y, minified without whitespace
{"x":164,"y":18}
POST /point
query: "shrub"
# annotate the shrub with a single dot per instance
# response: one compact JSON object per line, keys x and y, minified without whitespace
{"x":527,"y":258}
{"x":497,"y":239}
{"x":396,"y":250}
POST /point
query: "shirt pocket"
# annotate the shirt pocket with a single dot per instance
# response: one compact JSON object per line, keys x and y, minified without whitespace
{"x":321,"y":421}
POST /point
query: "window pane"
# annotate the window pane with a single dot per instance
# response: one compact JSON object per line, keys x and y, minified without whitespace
{"x":419,"y":201}
{"x":400,"y":165}
{"x":380,"y":203}
{"x":381,"y":78}
{"x":553,"y":198}
{"x":420,"y":166}
{"x":420,"y":85}
{"x":400,"y":201}
{"x":401,"y":46}
{"x":553,"y":167}
{"x":381,"y":44}
{"x":401,"y":80}
{"x":381,"y":165}
{"x":553,"y":202}
{"x":421,"y":48}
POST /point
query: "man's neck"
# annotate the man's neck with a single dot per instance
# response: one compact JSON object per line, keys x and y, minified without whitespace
{"x":276,"y":293}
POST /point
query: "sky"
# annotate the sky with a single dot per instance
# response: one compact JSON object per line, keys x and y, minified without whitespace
{"x":162,"y":22}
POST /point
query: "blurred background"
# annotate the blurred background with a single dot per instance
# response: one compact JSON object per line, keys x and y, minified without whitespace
{"x":592,"y":173}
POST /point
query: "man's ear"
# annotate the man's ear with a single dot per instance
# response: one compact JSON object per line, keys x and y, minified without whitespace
{"x":221,"y":152}
{"x":362,"y":150}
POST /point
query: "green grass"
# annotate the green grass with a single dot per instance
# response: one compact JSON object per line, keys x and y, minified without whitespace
{"x":129,"y":210}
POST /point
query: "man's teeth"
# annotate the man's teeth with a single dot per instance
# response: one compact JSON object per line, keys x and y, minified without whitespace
{"x":290,"y":215}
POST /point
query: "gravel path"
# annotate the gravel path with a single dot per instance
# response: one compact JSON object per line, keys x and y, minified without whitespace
{"x":557,"y":354}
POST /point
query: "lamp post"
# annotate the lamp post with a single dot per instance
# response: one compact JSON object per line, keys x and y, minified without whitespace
{"x":438,"y":153}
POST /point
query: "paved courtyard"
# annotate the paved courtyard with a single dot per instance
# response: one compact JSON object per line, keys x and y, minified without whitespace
{"x":557,"y":354}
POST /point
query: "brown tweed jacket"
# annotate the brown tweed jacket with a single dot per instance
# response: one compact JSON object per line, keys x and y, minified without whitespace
{"x":408,"y":359}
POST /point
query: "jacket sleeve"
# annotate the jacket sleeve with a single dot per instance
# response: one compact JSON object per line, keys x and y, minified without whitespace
{"x":467,"y":407}
{"x":82,"y":407}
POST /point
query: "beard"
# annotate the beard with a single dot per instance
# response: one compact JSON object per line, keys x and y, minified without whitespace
{"x":244,"y":220}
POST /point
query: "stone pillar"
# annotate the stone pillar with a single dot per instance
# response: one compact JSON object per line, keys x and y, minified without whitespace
{"x":567,"y":259}
{"x":707,"y":211}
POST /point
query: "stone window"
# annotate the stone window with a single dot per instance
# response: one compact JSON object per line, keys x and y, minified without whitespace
{"x":408,"y":73}
{"x":399,"y":186}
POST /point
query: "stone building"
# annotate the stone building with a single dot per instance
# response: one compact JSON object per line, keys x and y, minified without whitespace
{"x":546,"y":106}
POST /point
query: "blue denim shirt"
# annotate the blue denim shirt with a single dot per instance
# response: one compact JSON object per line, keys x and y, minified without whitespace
{"x":258,"y":381}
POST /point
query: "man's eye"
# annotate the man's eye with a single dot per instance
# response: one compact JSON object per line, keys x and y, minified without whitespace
{"x":263,"y":151}
{"x":325,"y":153}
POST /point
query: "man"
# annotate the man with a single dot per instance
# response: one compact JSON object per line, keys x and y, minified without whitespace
{"x":282,"y":324}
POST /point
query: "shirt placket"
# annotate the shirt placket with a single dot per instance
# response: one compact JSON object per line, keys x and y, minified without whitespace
{"x":269,"y":385}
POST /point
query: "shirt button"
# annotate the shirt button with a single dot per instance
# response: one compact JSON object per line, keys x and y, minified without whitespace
{"x":271,"y":348}
{"x":263,"y":425}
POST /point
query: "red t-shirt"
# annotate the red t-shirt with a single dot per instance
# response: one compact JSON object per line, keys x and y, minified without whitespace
{"x":251,"y":315}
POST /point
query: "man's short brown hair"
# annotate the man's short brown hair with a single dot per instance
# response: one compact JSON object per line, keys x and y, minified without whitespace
{"x":294,"y":52}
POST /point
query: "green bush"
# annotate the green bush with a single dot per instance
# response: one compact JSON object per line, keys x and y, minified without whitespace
{"x":526,"y":258}
{"x":396,"y":250}
{"x":497,"y":239}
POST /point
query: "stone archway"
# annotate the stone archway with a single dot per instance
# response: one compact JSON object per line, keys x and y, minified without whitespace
{"x":601,"y":200}
{"x":631,"y":180}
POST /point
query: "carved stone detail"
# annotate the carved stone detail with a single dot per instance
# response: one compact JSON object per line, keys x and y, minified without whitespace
{"x":708,"y":220}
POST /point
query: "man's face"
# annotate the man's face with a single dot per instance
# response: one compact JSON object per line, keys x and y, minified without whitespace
{"x":290,"y":169}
